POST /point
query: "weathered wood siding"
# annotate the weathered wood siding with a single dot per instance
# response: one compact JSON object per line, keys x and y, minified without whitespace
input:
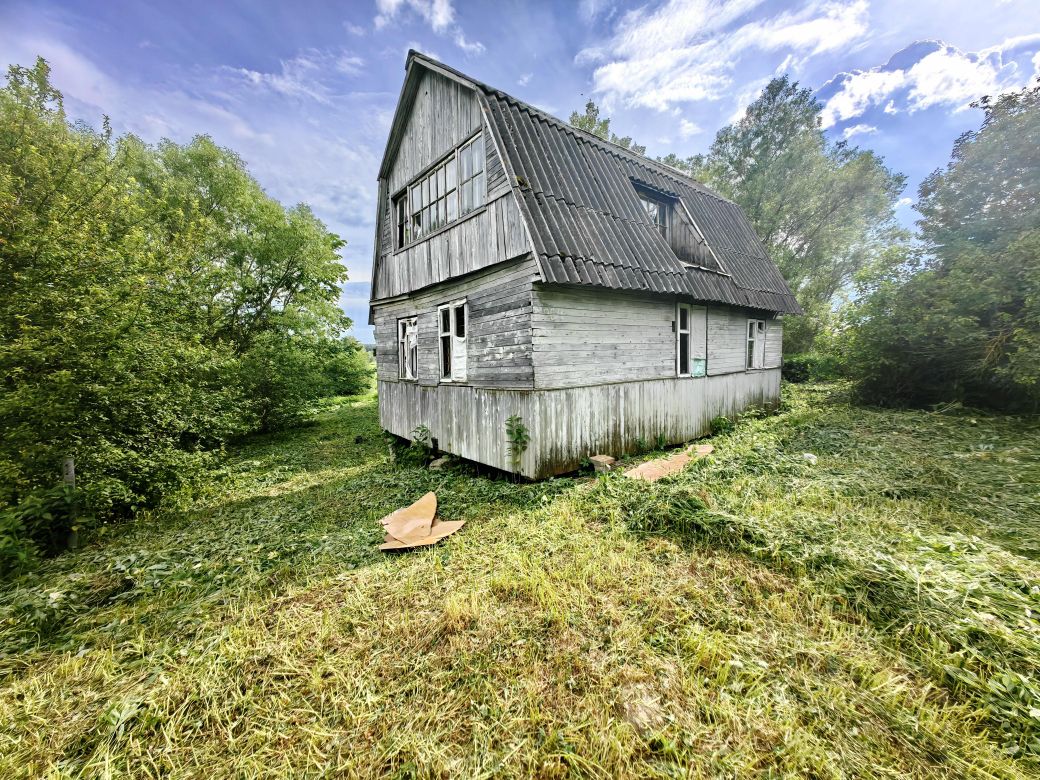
{"x":443,"y":115}
{"x":498,"y":336}
{"x":567,"y":425}
{"x":588,"y":336}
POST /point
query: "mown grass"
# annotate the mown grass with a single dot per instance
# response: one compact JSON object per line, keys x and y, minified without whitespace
{"x":869,"y":615}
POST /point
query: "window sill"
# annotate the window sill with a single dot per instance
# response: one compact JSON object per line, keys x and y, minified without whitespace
{"x":444,"y":229}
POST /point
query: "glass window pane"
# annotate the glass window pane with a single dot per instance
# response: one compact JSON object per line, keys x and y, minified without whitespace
{"x":478,"y":190}
{"x":467,"y":198}
{"x":416,"y":205}
{"x":445,"y":320}
{"x":478,"y":153}
{"x":435,"y":186}
{"x":684,"y":353}
{"x":449,"y":173}
{"x":684,"y":318}
{"x":460,"y":321}
{"x":453,"y":207}
{"x":445,"y":356}
{"x":466,"y":170}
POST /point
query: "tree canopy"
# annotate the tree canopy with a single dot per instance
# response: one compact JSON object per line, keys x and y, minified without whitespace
{"x":959,"y":318}
{"x":154,"y":303}
{"x":592,"y":122}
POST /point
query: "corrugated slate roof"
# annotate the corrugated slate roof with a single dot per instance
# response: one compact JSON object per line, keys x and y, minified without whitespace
{"x":587,"y":225}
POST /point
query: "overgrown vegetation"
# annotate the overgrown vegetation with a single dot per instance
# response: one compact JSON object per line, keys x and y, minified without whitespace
{"x":872,"y":614}
{"x":154,"y":304}
{"x":959,"y":320}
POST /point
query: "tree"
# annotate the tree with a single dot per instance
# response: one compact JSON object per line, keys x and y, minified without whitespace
{"x":154,"y":303}
{"x":960,"y":320}
{"x":823,"y":210}
{"x":591,"y":122}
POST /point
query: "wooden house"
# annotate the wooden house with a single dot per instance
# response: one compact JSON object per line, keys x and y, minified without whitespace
{"x":524,"y":267}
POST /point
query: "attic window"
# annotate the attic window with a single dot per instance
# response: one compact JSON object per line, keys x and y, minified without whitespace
{"x":451,"y":189}
{"x":657,"y":210}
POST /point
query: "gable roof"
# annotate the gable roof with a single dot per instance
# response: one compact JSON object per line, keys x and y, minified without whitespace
{"x":576,"y":192}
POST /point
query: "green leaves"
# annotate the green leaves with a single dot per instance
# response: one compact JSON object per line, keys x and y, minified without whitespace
{"x":154,"y":304}
{"x":960,"y":321}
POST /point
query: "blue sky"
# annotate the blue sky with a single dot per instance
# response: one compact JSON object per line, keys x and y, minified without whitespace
{"x":305,"y":91}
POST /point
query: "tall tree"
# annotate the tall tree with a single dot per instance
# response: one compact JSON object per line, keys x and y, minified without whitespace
{"x":824,"y":210}
{"x":154,"y":302}
{"x":962,"y":322}
{"x":592,"y":122}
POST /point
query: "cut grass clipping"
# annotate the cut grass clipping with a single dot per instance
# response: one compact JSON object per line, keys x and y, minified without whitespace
{"x":867,"y":615}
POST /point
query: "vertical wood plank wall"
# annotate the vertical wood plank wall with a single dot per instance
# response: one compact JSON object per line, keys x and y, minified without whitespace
{"x":567,"y":425}
{"x":444,"y":114}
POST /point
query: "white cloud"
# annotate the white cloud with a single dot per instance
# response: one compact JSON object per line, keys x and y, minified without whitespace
{"x":927,"y":74}
{"x":524,"y":79}
{"x":861,"y":129}
{"x":438,"y":14}
{"x":304,"y":76}
{"x":686,"y":50}
{"x":688,"y":129}
{"x":904,"y":202}
{"x":354,"y":29}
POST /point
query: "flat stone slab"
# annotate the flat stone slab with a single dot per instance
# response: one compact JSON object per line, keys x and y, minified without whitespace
{"x":653,"y":470}
{"x":602,"y":463}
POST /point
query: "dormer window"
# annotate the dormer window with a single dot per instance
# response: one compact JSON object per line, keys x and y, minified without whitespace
{"x":454,"y":187}
{"x":666,"y":212}
{"x":658,"y":210}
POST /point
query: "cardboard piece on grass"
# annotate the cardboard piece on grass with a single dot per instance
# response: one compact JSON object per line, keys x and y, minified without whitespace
{"x":440,"y":529}
{"x":412,"y":522}
{"x":653,"y":470}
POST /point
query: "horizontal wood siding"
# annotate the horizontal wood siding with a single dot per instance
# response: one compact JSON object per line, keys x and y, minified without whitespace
{"x":567,"y":425}
{"x":594,"y":336}
{"x":774,"y":343}
{"x":585,"y":336}
{"x":498,"y":335}
{"x":727,"y":339}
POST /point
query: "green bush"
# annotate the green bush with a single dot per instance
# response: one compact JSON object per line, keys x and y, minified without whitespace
{"x":810,"y":368}
{"x":154,"y":304}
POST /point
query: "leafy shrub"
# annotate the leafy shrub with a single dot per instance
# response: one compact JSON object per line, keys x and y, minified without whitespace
{"x":720,"y":425}
{"x":155,"y":304}
{"x":810,"y":367}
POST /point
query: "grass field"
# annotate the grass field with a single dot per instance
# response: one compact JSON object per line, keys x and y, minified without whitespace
{"x":872,"y":614}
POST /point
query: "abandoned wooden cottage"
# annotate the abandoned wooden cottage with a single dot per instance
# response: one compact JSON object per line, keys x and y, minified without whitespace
{"x":524,"y":267}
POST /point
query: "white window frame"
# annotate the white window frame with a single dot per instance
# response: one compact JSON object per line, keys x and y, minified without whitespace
{"x":755,"y":345}
{"x":680,"y":334}
{"x":445,"y":193}
{"x":407,"y":344}
{"x":452,"y":369}
{"x":696,"y":366}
